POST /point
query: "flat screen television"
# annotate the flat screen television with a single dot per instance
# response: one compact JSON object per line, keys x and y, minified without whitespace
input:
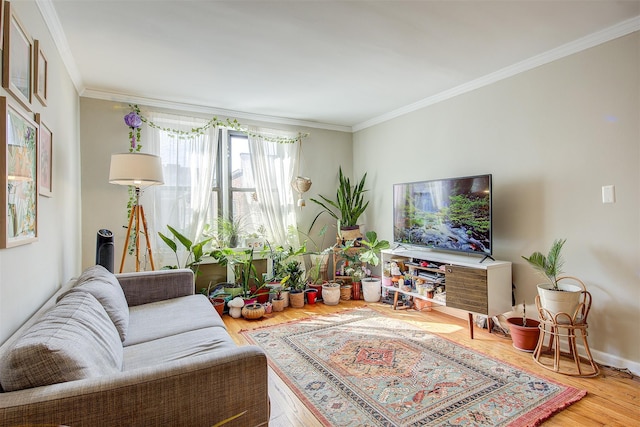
{"x":452,"y":214}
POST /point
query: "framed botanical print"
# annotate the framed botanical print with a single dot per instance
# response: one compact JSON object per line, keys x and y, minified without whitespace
{"x":18,"y":176}
{"x":45,"y":158}
{"x":16,"y":58}
{"x":40,"y":71}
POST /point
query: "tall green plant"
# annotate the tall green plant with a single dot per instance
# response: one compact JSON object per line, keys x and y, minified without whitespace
{"x":349,"y":203}
{"x":551,"y":265}
{"x":195,"y":250}
{"x":241,"y":260}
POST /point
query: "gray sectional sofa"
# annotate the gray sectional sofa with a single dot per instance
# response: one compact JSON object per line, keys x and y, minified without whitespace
{"x":136,"y":349}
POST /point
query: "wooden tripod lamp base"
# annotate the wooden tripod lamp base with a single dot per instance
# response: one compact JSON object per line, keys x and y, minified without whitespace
{"x":139,"y":170}
{"x":137,"y":214}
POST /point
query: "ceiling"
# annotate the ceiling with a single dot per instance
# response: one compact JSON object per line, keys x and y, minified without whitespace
{"x":333,"y":64}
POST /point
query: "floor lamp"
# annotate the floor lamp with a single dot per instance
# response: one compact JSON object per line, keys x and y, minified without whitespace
{"x":139,"y":170}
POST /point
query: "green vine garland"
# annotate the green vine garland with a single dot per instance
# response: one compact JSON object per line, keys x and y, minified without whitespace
{"x":214,"y":121}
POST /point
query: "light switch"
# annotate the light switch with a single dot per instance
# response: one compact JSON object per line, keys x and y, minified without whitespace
{"x":608,"y":194}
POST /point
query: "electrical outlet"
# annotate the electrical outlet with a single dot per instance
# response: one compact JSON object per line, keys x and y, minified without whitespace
{"x":608,"y":194}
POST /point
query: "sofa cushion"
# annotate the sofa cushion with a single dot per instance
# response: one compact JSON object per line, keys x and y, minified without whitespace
{"x":176,"y":347}
{"x":104,"y":285}
{"x":74,"y":340}
{"x":161,"y":319}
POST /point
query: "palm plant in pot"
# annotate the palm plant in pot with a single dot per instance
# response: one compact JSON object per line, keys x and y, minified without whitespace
{"x":347,"y":207}
{"x":524,"y":332}
{"x":555,"y":297}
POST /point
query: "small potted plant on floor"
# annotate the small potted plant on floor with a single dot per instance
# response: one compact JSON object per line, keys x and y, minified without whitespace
{"x":278,"y":301}
{"x":555,"y":297}
{"x":524,"y":332}
{"x":368,"y":255}
{"x":296,"y":282}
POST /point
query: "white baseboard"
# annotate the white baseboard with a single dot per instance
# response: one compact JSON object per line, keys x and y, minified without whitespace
{"x":600,"y":357}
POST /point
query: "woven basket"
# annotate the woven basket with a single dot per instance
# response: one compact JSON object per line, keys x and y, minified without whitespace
{"x":345,"y":292}
{"x":253,"y":311}
{"x":301,"y":184}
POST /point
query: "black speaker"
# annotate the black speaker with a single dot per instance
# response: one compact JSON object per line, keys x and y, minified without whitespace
{"x":104,"y":249}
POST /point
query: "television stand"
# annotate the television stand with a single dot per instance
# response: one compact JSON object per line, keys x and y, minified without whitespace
{"x":470,"y":284}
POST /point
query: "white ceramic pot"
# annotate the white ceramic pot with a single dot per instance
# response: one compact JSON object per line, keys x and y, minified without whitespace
{"x":371,"y":288}
{"x":331,"y":293}
{"x":564,"y":300}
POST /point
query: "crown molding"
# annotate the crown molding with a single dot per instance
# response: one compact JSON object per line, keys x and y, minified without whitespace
{"x":52,"y":22}
{"x":619,"y":30}
{"x":194,"y":108}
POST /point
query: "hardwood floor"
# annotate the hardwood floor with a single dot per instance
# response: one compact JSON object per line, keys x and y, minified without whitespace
{"x":613,"y":398}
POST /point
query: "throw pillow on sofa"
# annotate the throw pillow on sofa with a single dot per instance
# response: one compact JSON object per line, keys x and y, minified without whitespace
{"x":74,"y":340}
{"x":104,"y":285}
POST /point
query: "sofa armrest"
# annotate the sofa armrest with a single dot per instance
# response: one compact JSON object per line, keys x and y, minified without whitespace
{"x":195,"y":391}
{"x":151,"y":286}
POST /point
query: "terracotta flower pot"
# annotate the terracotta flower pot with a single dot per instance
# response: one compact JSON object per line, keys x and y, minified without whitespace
{"x":525,"y":337}
{"x":218,"y":304}
{"x":262,"y":295}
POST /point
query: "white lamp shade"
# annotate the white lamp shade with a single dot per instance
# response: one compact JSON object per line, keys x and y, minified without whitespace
{"x":137,"y":169}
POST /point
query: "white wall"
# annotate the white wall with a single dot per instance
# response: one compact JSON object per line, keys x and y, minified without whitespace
{"x":103,"y":132}
{"x":29,"y":274}
{"x":551,"y":137}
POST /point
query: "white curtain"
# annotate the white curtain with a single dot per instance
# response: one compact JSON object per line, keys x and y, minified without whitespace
{"x":188,"y":164}
{"x":274,"y":165}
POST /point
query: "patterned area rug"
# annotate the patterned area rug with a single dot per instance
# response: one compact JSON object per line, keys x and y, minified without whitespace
{"x":361,"y":368}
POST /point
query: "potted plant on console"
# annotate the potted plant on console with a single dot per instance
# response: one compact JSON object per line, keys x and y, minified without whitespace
{"x":555,"y":297}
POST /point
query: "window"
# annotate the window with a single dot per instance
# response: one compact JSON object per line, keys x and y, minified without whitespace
{"x":220,"y":173}
{"x":238,"y":187}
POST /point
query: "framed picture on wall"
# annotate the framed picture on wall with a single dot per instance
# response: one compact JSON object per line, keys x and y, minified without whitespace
{"x":40,"y":70}
{"x":16,"y":58}
{"x":1,"y":21}
{"x":19,"y":176}
{"x":45,"y":158}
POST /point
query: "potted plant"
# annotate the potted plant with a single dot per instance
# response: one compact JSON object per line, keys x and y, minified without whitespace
{"x":296,"y":282}
{"x":347,"y":207}
{"x":195,"y":251}
{"x":246,"y":277}
{"x":554,"y":296}
{"x":216,"y":299}
{"x":230,"y":231}
{"x":280,"y":257}
{"x":524,"y":332}
{"x":278,"y":301}
{"x":331,"y":293}
{"x":368,"y":255}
